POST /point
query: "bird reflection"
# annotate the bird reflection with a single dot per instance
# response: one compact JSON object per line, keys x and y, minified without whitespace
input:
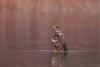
{"x":58,"y":59}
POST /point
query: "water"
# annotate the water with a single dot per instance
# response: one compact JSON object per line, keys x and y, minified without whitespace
{"x":48,"y":58}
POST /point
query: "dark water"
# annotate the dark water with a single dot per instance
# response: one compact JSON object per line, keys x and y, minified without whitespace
{"x":45,"y":58}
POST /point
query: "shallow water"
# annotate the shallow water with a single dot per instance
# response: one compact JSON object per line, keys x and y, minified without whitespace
{"x":47,"y":58}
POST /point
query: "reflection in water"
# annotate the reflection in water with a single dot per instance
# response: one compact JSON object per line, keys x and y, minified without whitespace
{"x":42,"y":58}
{"x":58,"y":59}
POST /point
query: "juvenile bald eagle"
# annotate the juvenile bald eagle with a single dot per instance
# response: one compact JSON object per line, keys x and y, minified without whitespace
{"x":58,"y":39}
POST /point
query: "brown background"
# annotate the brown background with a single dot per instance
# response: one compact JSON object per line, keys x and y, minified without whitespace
{"x":25,"y":24}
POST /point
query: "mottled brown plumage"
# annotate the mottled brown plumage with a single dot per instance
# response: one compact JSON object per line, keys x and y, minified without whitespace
{"x":58,"y":40}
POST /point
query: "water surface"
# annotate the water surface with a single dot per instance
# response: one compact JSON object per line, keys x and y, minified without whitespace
{"x":47,"y":58}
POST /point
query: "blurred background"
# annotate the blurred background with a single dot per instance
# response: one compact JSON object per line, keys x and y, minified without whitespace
{"x":26,"y":24}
